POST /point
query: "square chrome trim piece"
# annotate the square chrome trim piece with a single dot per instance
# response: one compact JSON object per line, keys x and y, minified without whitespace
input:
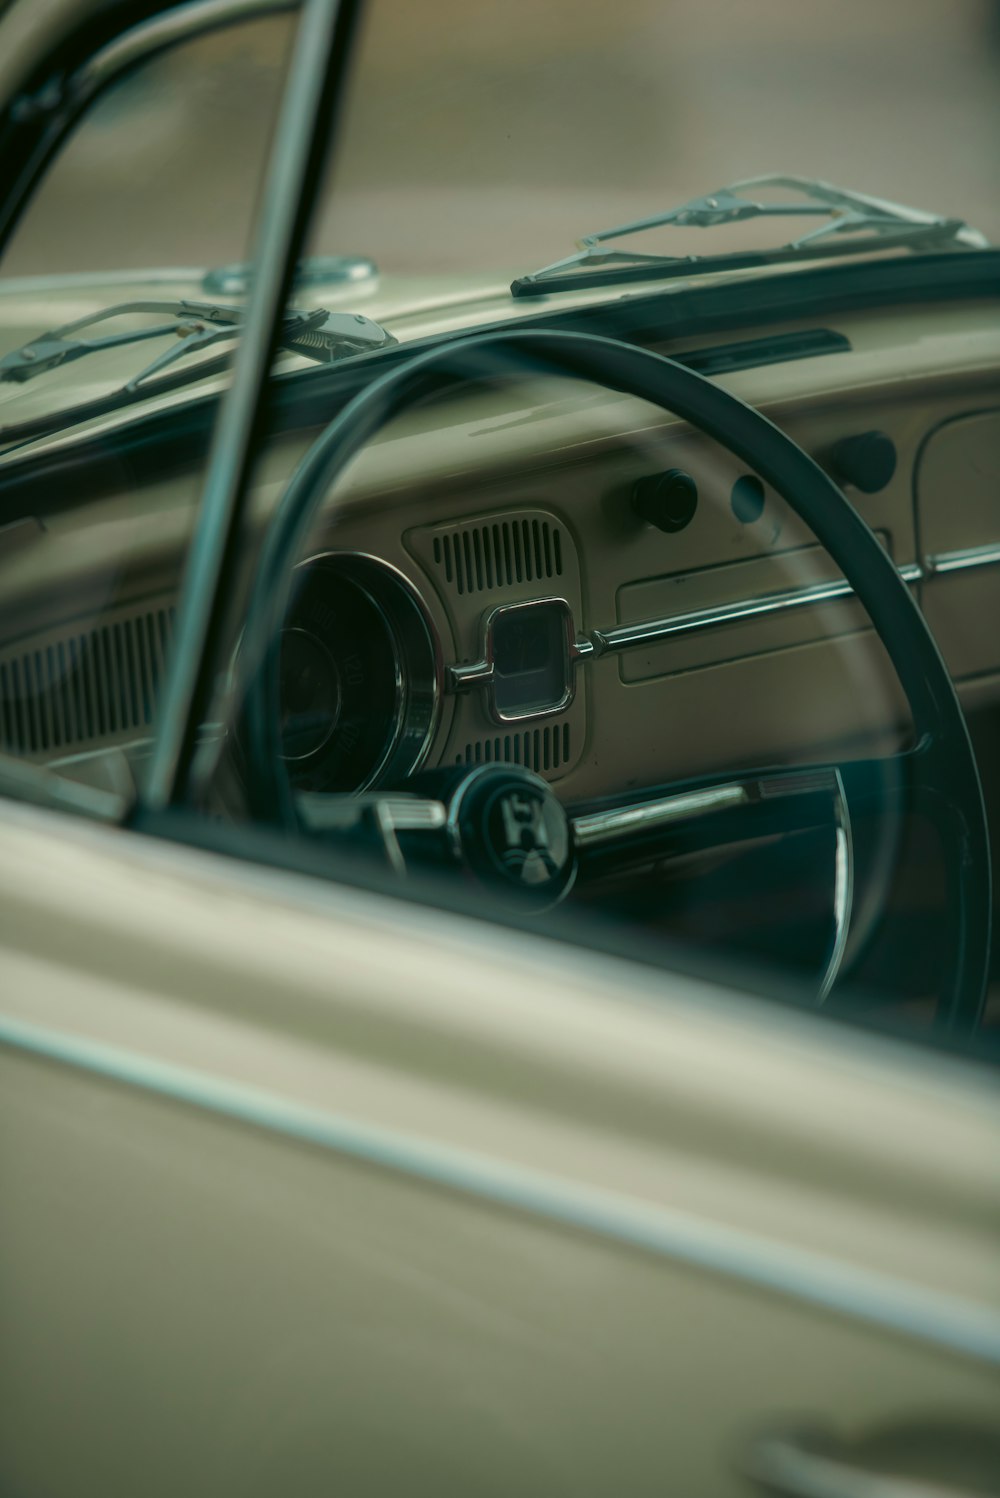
{"x":483,"y":673}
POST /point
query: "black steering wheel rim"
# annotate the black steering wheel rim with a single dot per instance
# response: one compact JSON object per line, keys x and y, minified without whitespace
{"x":939,"y":721}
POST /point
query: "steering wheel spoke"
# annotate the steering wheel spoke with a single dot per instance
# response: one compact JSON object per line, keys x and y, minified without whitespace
{"x":716,"y":812}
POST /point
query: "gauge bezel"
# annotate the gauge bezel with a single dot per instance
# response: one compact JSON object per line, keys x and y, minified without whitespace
{"x":417,"y":660}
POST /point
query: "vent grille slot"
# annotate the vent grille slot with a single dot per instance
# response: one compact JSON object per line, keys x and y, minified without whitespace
{"x":498,"y":554}
{"x":84,"y":687}
{"x":544,"y":750}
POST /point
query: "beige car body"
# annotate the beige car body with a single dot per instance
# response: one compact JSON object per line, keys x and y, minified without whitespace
{"x":303,"y":1189}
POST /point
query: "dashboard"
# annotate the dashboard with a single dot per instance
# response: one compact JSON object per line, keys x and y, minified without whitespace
{"x":557,"y":577}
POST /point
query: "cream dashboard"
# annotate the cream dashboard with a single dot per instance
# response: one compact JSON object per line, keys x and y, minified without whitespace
{"x":613,"y":600}
{"x":561,"y":578}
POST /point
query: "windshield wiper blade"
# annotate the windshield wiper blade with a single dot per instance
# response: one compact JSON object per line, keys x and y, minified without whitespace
{"x":876,"y":223}
{"x":319,"y":335}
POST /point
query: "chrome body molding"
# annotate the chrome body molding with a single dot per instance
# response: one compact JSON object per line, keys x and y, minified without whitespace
{"x":962,"y":1327}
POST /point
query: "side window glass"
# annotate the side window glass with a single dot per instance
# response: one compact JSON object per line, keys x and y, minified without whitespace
{"x":164,"y":170}
{"x":149,"y":205}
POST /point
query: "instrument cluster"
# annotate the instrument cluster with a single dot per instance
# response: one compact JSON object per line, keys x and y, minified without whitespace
{"x":359,"y":675}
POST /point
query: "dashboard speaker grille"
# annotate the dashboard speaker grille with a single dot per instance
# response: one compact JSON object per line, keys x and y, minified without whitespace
{"x":498,"y":554}
{"x":81,"y":688}
{"x":544,"y":750}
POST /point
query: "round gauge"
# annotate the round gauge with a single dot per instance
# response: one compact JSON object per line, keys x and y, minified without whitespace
{"x":359,"y":675}
{"x":309,"y":693}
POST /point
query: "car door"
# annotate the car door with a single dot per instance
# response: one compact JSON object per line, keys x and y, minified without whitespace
{"x":308,"y":1188}
{"x":303,"y":1191}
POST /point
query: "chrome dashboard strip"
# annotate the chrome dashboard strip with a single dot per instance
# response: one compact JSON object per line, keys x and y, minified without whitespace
{"x":964,"y":561}
{"x":635,"y":636}
{"x":960,"y":1326}
{"x":623,"y":637}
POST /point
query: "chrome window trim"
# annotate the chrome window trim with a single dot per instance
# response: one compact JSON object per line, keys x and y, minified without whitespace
{"x":873,"y":1298}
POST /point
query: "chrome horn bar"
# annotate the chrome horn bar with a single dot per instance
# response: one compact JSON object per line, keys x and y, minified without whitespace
{"x":604,"y":828}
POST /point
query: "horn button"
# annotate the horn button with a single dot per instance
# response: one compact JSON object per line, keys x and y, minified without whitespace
{"x":509,"y":829}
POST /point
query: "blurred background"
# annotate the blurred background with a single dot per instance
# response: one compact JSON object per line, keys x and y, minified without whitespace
{"x":488,"y":135}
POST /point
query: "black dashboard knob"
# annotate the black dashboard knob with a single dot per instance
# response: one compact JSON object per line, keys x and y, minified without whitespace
{"x":868,"y":461}
{"x":666,"y":500}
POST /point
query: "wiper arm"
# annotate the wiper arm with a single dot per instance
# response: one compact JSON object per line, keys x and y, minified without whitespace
{"x":320,"y":335}
{"x":876,"y":220}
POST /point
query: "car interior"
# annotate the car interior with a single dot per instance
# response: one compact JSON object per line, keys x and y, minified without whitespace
{"x":610,"y":600}
{"x":522,"y":566}
{"x":499,"y":747}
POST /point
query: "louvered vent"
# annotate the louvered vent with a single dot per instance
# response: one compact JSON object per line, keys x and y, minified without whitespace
{"x":85,"y":687}
{"x":476,"y":558}
{"x":544,"y":750}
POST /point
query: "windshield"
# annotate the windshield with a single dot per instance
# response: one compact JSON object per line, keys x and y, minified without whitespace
{"x":492,"y":137}
{"x":489,"y":139}
{"x":107,"y":279}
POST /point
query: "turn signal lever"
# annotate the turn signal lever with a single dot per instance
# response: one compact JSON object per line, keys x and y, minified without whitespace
{"x":500,"y":825}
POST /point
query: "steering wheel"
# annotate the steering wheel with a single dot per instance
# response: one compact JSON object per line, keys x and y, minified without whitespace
{"x":940,"y":766}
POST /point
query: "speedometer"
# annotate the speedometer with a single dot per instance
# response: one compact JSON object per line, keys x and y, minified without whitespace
{"x":359,"y":675}
{"x":309,"y":693}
